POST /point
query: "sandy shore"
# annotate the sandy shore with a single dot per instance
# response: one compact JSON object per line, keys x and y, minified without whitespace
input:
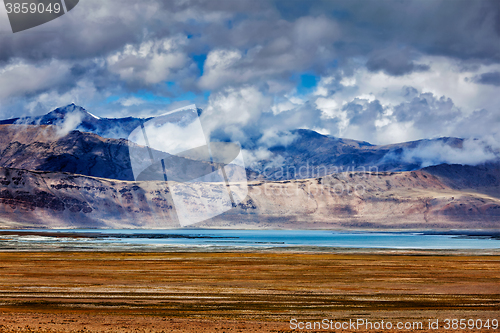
{"x":238,"y":292}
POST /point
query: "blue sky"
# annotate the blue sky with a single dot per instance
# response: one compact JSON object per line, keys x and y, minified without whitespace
{"x":381,"y":72}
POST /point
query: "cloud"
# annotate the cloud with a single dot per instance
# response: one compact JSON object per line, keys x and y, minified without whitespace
{"x":272,"y":138}
{"x":132,"y":101}
{"x":472,"y":152}
{"x":310,"y":31}
{"x":47,"y":101}
{"x":415,"y":106}
{"x":427,"y":111}
{"x":388,"y":72}
{"x":492,"y":78}
{"x":219,"y":68}
{"x":170,"y":135}
{"x":258,"y":159}
{"x":93,"y":29}
{"x":234,"y":113}
{"x":394,"y":62}
{"x":71,"y":122}
{"x":20,"y":78}
{"x":150,"y":62}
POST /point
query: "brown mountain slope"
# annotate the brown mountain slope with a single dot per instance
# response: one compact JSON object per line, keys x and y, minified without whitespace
{"x":482,"y":179}
{"x":44,"y":148}
{"x":388,"y":200}
{"x":424,"y":199}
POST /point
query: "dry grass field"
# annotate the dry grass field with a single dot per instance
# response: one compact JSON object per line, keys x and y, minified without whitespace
{"x":238,"y":292}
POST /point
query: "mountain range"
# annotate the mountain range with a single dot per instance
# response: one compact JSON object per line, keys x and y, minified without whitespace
{"x":80,"y":142}
{"x":439,"y":197}
{"x":81,"y":119}
{"x":70,"y":168}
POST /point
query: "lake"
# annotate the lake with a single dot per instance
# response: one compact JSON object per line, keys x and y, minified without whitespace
{"x":211,"y":239}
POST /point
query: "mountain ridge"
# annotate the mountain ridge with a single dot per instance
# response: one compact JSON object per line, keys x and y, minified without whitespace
{"x":311,"y":154}
{"x":113,"y":128}
{"x":55,"y":177}
{"x":41,"y":148}
{"x":412,"y":200}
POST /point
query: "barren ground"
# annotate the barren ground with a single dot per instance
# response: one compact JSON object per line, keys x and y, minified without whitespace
{"x":238,"y":292}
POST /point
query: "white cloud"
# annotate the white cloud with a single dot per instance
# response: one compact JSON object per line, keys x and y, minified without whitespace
{"x":396,"y":132}
{"x":348,"y":81}
{"x":150,"y":62}
{"x":473,"y":152}
{"x":447,"y":103}
{"x":83,"y":92}
{"x":70,"y":123}
{"x":330,"y":109}
{"x":132,"y":101}
{"x":288,"y":102}
{"x":174,"y":137}
{"x":271,"y":137}
{"x":446,"y":77}
{"x":259,"y":159}
{"x":218,"y":68}
{"x":233,"y":109}
{"x":20,"y":78}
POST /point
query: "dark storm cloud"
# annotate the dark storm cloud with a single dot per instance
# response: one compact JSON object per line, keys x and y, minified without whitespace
{"x":93,"y":30}
{"x":394,"y":62}
{"x":466,"y":29}
{"x":462,"y":29}
{"x":492,"y":78}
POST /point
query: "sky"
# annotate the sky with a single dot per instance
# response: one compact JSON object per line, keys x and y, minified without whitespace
{"x":376,"y":71}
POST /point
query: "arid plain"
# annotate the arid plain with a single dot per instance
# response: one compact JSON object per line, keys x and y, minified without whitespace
{"x":240,"y":292}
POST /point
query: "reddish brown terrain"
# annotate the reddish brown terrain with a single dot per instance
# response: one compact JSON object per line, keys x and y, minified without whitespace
{"x":239,"y":292}
{"x":444,"y":197}
{"x":78,"y":179}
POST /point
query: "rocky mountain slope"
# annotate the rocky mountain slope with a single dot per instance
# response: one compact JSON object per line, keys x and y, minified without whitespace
{"x":52,"y":176}
{"x":314,"y":155}
{"x":42,"y":148}
{"x":309,"y":155}
{"x":441,"y":197}
{"x":81,"y":119}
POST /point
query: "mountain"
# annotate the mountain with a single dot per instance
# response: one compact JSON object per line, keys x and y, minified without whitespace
{"x":310,"y":154}
{"x":81,"y":119}
{"x":314,"y":155}
{"x":441,"y":197}
{"x":42,"y":148}
{"x":45,"y":148}
{"x":56,"y":177}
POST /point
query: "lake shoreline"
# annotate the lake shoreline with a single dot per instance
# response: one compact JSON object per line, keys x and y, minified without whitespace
{"x":451,"y":242}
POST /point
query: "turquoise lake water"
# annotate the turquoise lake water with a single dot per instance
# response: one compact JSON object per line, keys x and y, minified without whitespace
{"x":199,"y":239}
